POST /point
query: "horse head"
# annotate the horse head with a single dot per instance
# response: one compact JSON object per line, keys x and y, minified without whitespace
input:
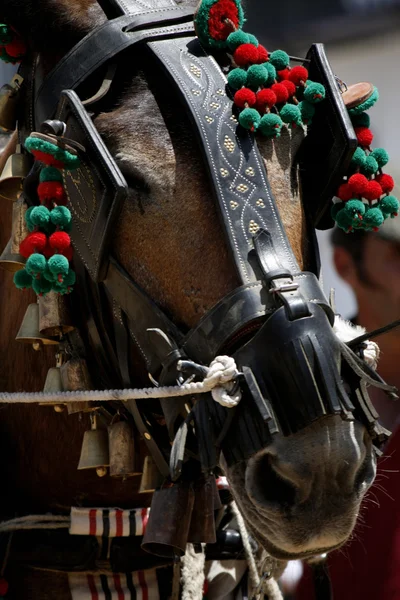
{"x":301,"y":487}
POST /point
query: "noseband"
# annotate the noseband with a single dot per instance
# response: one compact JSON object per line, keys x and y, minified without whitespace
{"x":278,"y":324}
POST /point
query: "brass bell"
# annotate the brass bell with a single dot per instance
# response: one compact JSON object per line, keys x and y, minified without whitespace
{"x":54,"y":317}
{"x":53,"y":384}
{"x":15,"y":170}
{"x":122,"y":450}
{"x":75,"y":377}
{"x":10,"y":261}
{"x":29,"y":331}
{"x":94,"y":452}
{"x":9,"y":103}
{"x":151,"y":477}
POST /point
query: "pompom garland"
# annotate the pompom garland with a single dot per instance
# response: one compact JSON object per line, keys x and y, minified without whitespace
{"x":47,"y":247}
{"x":365,"y":182}
{"x":12,"y":48}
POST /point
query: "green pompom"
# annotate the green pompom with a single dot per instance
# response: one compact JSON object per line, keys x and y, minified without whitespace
{"x":365,"y":105}
{"x":307,"y":110}
{"x":344,"y":220}
{"x":249,"y":118}
{"x":34,"y":144}
{"x":370,"y":167}
{"x":314,"y":92}
{"x":70,"y":278}
{"x":47,"y":274}
{"x":40,"y":216}
{"x":58,"y":265}
{"x":389,"y":206}
{"x":6,"y":34}
{"x":236,"y":39}
{"x":291,"y":115}
{"x":271,"y":73}
{"x":257,"y":76}
{"x":335,"y":209}
{"x":279,"y":59}
{"x":23,"y":280}
{"x":359,"y":157}
{"x":202,"y":19}
{"x":361,"y":120}
{"x":61,"y":217}
{"x":50,"y":174}
{"x":237,"y":78}
{"x":28,"y":221}
{"x":271,"y":125}
{"x":253,"y":40}
{"x":381,"y":156}
{"x":35,"y":264}
{"x":355,"y":209}
{"x":373,"y":218}
{"x":42,"y":286}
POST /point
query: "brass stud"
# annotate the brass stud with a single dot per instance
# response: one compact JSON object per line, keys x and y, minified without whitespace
{"x":253,"y":227}
{"x":147,"y":436}
{"x":242,"y":188}
{"x":260,"y":202}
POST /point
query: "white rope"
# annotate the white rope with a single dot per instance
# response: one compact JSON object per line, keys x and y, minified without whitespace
{"x":219,"y":381}
{"x":264,"y":585}
{"x":35,"y":522}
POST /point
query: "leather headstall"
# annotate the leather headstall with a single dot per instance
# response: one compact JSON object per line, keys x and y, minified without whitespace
{"x":292,"y":364}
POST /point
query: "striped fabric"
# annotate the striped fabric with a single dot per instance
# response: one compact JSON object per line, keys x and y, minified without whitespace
{"x":108,"y":522}
{"x":140,"y":585}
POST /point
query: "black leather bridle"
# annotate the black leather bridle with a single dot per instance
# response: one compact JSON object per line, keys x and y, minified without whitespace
{"x":278,"y":323}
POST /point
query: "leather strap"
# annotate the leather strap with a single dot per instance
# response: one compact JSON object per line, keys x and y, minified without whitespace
{"x":117,"y":8}
{"x":103,"y":44}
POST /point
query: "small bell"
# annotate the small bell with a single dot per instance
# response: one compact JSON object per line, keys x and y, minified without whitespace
{"x":151,"y":477}
{"x":15,"y":170}
{"x":122,"y":450}
{"x":54,"y":317}
{"x":75,"y":377}
{"x":10,"y":261}
{"x":53,"y":384}
{"x":94,"y":452}
{"x":9,"y":94}
{"x":29,"y":331}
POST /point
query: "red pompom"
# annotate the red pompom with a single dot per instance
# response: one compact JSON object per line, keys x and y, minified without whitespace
{"x":47,"y":159}
{"x":16,"y":48}
{"x":60,"y":241}
{"x":218,"y":28}
{"x":34,"y":242}
{"x":48,"y":251}
{"x":289,"y":85}
{"x":281,"y":92}
{"x":51,"y":191}
{"x":3,"y":586}
{"x":358,"y":184}
{"x":386,"y":182}
{"x":265,"y":97}
{"x":69,"y":253}
{"x":262,"y":54}
{"x":373,"y":191}
{"x":364,"y":136}
{"x":244,"y":96}
{"x":284,"y":74}
{"x":344,"y":192}
{"x":245,"y":54}
{"x":298,"y":75}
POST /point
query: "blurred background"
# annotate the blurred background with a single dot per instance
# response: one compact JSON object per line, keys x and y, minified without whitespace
{"x":362,"y":40}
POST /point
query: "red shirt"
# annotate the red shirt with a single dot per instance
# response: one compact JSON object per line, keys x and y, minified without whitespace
{"x":368,"y":567}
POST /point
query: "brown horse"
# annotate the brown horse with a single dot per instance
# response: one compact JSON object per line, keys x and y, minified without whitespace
{"x":322,"y":472}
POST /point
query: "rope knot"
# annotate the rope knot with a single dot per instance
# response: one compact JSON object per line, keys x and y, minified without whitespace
{"x":220,"y":380}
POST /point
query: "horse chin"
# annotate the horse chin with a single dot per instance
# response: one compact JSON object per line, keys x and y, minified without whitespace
{"x":291,"y":533}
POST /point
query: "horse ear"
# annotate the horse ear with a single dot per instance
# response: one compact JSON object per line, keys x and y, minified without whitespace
{"x":51,"y":25}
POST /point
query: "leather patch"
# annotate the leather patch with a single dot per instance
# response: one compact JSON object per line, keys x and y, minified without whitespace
{"x":95,"y":191}
{"x":330,"y":143}
{"x":357,"y":94}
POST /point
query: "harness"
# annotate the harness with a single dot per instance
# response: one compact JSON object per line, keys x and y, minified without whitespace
{"x":278,"y":313}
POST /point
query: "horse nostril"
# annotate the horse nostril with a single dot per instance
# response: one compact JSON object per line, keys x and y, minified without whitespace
{"x":271,"y":485}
